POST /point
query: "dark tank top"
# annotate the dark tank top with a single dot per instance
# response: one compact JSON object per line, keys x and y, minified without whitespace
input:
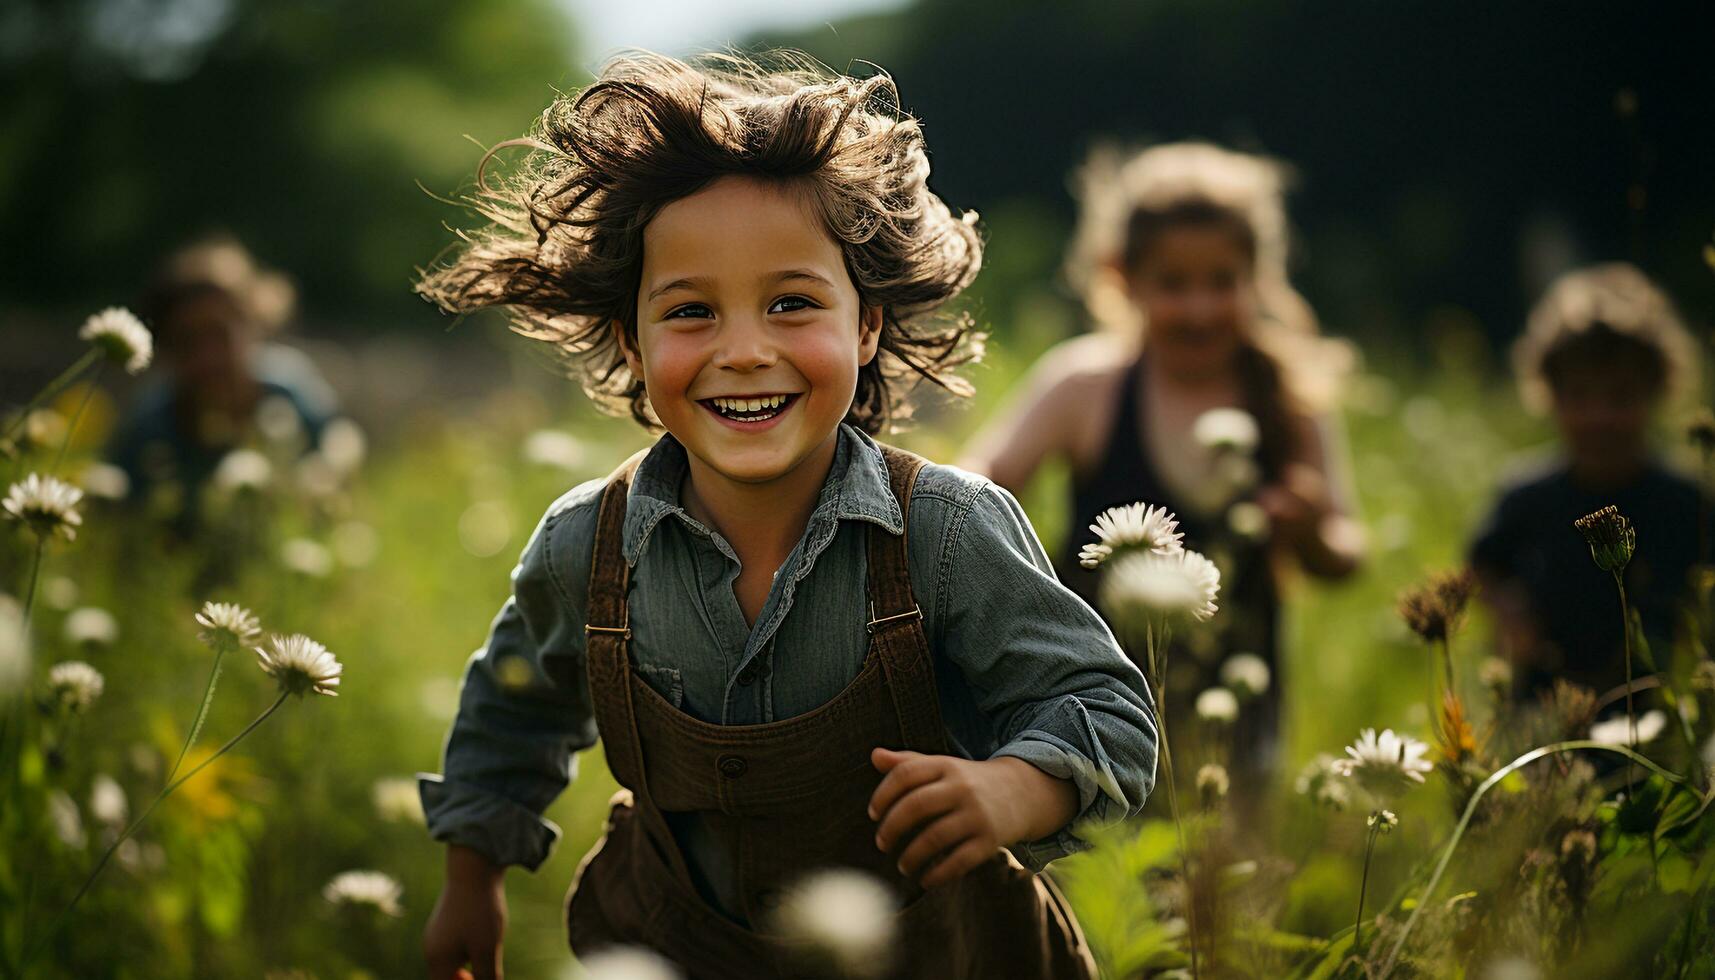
{"x":1249,"y":602}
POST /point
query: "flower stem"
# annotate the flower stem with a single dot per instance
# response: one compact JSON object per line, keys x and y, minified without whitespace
{"x":52,"y":388}
{"x":71,"y":428}
{"x":201,"y":715}
{"x":1364,"y":879}
{"x":1631,"y":713}
{"x":1471,"y":809}
{"x":47,"y":934}
{"x":1158,"y":669}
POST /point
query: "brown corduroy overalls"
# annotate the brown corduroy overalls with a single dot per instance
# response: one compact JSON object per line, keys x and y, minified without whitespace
{"x":790,"y":797}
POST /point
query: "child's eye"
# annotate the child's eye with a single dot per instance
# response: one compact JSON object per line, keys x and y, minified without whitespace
{"x":791,"y":304}
{"x":689,"y":310}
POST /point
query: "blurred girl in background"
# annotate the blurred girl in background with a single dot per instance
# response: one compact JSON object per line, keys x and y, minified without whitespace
{"x":1206,"y":393}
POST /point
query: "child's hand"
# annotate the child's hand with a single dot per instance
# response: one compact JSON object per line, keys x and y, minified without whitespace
{"x":955,"y":812}
{"x":1296,"y":504}
{"x":468,"y":921}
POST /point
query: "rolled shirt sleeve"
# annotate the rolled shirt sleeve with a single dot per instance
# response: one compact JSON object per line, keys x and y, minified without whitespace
{"x":524,"y":712}
{"x":1044,"y":668}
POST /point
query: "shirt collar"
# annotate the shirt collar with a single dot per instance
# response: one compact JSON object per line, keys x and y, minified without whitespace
{"x":857,"y":489}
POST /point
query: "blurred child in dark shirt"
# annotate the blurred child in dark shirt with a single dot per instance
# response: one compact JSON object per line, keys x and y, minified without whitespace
{"x":1603,"y":352}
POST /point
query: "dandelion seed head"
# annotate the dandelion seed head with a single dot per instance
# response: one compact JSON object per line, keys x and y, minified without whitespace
{"x":1218,"y":705}
{"x":300,"y":665}
{"x":369,"y":889}
{"x":1246,"y":675}
{"x":1130,"y":527}
{"x":46,"y":505}
{"x":1384,"y":764}
{"x":120,"y":336}
{"x":91,"y":627}
{"x":75,"y":685}
{"x":227,"y":625}
{"x":841,"y":915}
{"x":1610,"y":536}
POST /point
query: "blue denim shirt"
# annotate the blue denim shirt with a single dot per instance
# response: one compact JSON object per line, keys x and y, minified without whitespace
{"x":1024,"y":667}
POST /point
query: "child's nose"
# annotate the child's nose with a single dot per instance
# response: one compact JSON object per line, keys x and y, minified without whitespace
{"x":745,"y":346}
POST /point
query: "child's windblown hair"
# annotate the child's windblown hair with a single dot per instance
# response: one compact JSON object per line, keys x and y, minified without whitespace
{"x":1611,"y":316}
{"x":563,"y":249}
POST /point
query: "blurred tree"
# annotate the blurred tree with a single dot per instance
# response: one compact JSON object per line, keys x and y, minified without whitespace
{"x":301,"y":125}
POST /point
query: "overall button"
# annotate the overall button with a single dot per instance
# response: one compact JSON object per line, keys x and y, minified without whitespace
{"x":748,"y":674}
{"x":732,"y":766}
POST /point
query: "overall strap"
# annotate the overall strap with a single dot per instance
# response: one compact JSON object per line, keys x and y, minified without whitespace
{"x":607,"y":635}
{"x":896,"y":621}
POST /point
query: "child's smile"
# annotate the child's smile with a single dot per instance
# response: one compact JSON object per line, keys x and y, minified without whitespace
{"x":750,"y":413}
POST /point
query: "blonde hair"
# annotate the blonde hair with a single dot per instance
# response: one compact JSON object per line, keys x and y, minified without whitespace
{"x":563,"y":249}
{"x":1595,"y":313}
{"x":1127,"y":200}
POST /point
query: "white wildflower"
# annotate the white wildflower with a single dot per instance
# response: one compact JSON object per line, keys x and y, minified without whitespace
{"x":1143,"y":587}
{"x":227,"y":625}
{"x":551,"y":447}
{"x":306,"y":557}
{"x":67,"y":820}
{"x":375,"y":889}
{"x":75,"y":684}
{"x":1248,"y":520}
{"x":1226,"y":430}
{"x":106,"y":481}
{"x":1321,"y":780}
{"x":1383,"y":821}
{"x":120,"y":336}
{"x":1617,"y":730}
{"x":842,"y":916}
{"x":343,"y":445}
{"x":91,"y":626}
{"x":1218,"y":705}
{"x":1212,"y":785}
{"x":47,"y":505}
{"x":1385,"y":764}
{"x":243,"y":470}
{"x":625,"y":963}
{"x":107,"y":801}
{"x":397,"y":800}
{"x":1246,"y":674}
{"x":301,"y":665}
{"x":1140,"y":526}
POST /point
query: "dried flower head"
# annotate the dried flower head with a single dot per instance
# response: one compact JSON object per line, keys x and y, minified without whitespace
{"x":46,"y":505}
{"x":842,"y":918}
{"x":227,"y":625}
{"x":1610,"y":536}
{"x":372,"y":889}
{"x":1572,"y":706}
{"x":1212,"y":785}
{"x":1386,"y":764}
{"x":1132,"y":526}
{"x":1142,"y":588}
{"x":1218,"y":705}
{"x":119,"y":335}
{"x":1433,"y":609}
{"x":75,"y":685}
{"x":300,"y":665}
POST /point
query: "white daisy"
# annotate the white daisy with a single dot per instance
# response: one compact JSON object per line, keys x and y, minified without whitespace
{"x":75,"y":684}
{"x":90,"y":626}
{"x":106,"y":481}
{"x":47,"y":505}
{"x":1386,"y":764}
{"x":121,"y":336}
{"x":1218,"y":705}
{"x":301,"y":665}
{"x":227,"y":625}
{"x":1246,"y":674}
{"x":307,"y":558}
{"x":107,"y":801}
{"x":1139,"y":525}
{"x":1618,"y":729}
{"x":841,"y":915}
{"x":1141,"y":588}
{"x":343,"y":445}
{"x":397,"y":800}
{"x":375,"y":889}
{"x":1231,"y":430}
